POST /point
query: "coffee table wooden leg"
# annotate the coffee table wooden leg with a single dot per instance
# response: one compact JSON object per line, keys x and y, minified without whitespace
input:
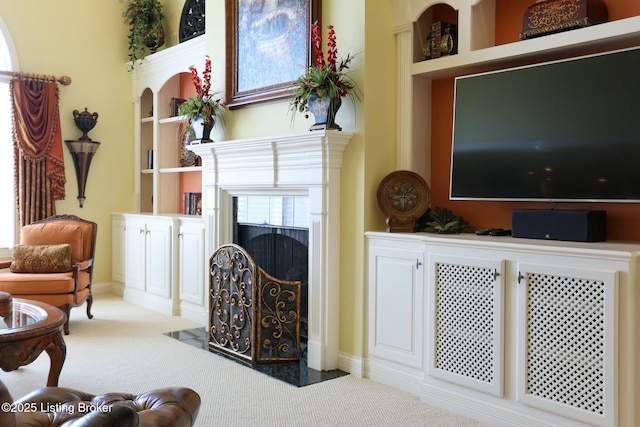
{"x":57,"y":351}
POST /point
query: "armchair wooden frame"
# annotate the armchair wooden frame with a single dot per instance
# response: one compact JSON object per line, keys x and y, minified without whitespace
{"x":56,"y":288}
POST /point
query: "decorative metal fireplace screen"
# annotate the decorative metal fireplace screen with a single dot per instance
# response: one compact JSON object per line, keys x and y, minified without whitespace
{"x":253,"y":315}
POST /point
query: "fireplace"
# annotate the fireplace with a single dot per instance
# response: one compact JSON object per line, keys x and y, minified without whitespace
{"x":283,"y":252}
{"x":303,"y":165}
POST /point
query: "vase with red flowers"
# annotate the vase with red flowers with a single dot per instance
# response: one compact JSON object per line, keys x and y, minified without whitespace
{"x":321,"y":89}
{"x":206,"y":108}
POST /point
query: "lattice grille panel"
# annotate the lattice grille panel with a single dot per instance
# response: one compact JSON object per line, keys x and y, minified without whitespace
{"x":565,"y":341}
{"x":465,"y":321}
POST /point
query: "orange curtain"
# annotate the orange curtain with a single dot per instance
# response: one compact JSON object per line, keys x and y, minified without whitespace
{"x":37,"y":140}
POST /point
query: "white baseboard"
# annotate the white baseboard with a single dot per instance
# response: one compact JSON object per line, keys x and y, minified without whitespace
{"x":147,"y":300}
{"x":102,"y":288}
{"x":193,"y":312}
{"x":402,"y":378}
{"x":351,"y":364}
{"x":498,"y":411}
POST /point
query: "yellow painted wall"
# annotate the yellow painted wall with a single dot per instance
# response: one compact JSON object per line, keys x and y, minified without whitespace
{"x":87,"y":40}
{"x":379,"y":155}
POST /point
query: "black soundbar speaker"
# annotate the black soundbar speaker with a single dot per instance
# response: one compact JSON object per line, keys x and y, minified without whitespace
{"x":567,"y":225}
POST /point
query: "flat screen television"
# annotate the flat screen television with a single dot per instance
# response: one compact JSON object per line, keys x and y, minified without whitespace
{"x":562,"y":131}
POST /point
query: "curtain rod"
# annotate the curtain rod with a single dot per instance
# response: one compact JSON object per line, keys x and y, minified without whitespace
{"x":64,"y":80}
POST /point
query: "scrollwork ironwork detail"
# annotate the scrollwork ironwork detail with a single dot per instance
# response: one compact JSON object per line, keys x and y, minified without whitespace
{"x":252,"y":315}
{"x":231,"y":300}
{"x":279,"y":320}
{"x":192,"y":22}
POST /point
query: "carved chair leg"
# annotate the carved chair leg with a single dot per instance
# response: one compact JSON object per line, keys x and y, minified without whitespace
{"x":89,"y":304}
{"x":67,"y":310}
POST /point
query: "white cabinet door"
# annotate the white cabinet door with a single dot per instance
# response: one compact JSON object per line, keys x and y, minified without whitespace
{"x":135,"y":256}
{"x":466,"y":312}
{"x":118,"y":248}
{"x":567,"y":348}
{"x":396,"y":289}
{"x":191,"y":261}
{"x":151,"y":251}
{"x":159,"y":256}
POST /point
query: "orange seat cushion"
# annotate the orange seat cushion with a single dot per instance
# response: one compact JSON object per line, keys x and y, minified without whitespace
{"x":33,"y":284}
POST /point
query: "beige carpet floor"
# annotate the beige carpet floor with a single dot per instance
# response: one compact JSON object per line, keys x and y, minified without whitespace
{"x":123,"y":349}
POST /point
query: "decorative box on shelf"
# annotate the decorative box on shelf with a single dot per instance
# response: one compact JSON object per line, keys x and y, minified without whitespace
{"x":441,"y":41}
{"x":175,"y":104}
{"x":552,"y":16}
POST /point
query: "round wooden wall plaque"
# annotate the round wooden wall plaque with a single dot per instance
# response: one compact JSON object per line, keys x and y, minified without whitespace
{"x":404,"y":197}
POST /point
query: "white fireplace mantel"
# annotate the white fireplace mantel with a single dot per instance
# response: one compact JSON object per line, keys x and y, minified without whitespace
{"x":301,"y":164}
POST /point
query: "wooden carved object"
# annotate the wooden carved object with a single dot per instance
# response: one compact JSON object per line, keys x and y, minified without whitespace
{"x":404,"y":197}
{"x":552,"y":16}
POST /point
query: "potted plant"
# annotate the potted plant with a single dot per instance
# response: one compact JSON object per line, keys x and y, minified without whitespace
{"x":443,"y":221}
{"x":321,"y":89}
{"x":146,"y":27}
{"x":205,"y":109}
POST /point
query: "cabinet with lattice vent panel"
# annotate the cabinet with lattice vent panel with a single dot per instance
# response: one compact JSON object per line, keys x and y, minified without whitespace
{"x":466,"y":311}
{"x":566,"y":341}
{"x":516,"y":331}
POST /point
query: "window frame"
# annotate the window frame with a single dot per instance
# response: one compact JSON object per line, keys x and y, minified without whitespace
{"x":8,"y":53}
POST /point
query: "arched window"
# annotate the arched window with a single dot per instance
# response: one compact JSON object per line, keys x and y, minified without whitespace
{"x":8,"y":228}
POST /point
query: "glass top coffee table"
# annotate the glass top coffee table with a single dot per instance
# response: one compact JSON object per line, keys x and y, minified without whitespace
{"x":27,"y":328}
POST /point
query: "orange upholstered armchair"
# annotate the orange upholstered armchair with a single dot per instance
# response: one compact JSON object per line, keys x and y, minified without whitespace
{"x":53,"y":263}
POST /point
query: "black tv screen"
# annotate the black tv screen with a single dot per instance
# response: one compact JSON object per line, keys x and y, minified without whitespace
{"x":559,"y":131}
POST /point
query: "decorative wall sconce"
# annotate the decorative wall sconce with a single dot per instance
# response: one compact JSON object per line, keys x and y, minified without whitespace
{"x":83,"y":149}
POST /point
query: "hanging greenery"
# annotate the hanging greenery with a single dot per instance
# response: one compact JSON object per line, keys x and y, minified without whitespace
{"x":146,"y":27}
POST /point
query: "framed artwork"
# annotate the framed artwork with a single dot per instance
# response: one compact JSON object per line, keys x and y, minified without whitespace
{"x":268,"y":47}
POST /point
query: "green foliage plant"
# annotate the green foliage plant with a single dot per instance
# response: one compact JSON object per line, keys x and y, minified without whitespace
{"x":206,"y":103}
{"x":325,"y":78}
{"x":443,"y":221}
{"x":146,"y":27}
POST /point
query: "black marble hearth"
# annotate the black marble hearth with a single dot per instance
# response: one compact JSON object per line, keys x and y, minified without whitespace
{"x":295,"y":373}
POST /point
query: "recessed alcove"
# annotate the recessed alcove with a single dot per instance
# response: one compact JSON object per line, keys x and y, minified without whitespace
{"x":440,"y":12}
{"x":488,"y":40}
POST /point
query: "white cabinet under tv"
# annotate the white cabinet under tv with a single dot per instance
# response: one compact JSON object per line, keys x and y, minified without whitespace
{"x":508,"y":331}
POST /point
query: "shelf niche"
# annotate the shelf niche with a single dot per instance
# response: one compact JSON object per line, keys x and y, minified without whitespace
{"x":475,"y":24}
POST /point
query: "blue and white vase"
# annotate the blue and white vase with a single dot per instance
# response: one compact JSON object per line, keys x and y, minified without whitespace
{"x":202,"y":132}
{"x":324,"y":110}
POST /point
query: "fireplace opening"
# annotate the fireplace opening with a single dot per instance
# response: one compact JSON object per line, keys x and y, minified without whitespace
{"x":274,"y":231}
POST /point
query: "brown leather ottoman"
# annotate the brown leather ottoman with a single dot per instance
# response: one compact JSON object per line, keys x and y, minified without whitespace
{"x":59,"y":406}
